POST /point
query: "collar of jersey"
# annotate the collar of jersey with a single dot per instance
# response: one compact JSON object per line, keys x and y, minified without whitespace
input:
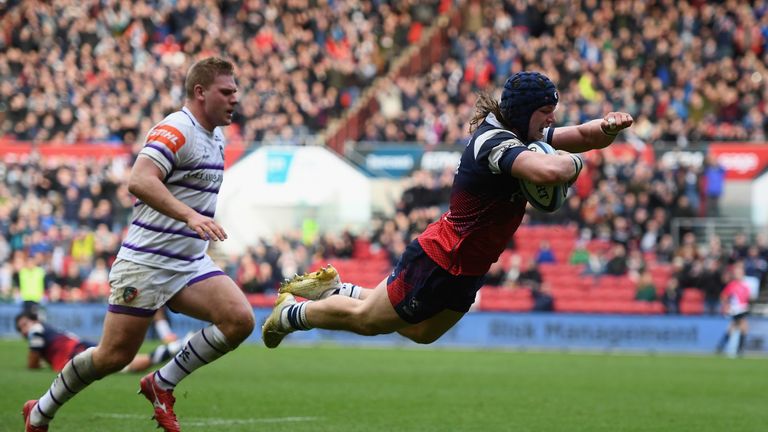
{"x":195,"y":122}
{"x":491,"y":118}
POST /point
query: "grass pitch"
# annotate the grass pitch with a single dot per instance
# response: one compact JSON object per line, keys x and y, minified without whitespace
{"x":359,"y":389}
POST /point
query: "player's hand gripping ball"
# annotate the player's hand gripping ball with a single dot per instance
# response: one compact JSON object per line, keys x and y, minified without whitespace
{"x":546,"y":198}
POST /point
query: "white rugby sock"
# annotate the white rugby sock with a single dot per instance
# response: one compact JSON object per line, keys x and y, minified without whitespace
{"x":202,"y":348}
{"x":295,"y":316}
{"x":350,"y":290}
{"x":163,"y":329}
{"x":77,"y":374}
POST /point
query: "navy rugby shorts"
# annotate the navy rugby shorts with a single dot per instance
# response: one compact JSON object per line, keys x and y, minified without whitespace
{"x":418,"y":288}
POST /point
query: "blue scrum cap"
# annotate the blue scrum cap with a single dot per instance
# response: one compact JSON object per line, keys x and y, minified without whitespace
{"x":524,"y":93}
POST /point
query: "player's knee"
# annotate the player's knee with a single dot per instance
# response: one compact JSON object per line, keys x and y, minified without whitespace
{"x":238,"y":324}
{"x":247,"y":322}
{"x":423,"y":338}
{"x":421,"y":334}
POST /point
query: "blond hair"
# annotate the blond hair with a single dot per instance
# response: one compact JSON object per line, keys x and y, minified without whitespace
{"x":204,"y":72}
{"x":485,"y":105}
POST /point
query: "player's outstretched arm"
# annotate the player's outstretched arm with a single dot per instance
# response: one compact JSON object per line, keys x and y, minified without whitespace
{"x":546,"y":169}
{"x":34,"y":360}
{"x":146,"y":183}
{"x":594,"y":134}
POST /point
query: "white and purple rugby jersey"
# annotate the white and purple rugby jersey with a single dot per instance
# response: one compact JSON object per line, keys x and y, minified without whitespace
{"x":193,"y":162}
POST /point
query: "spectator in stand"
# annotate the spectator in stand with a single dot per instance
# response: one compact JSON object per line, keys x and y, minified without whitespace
{"x":755,"y":270}
{"x":68,"y":286}
{"x":496,"y":276}
{"x":6,"y":282}
{"x":420,"y":194}
{"x":617,"y":263}
{"x":569,"y":213}
{"x":712,"y":285}
{"x":665,"y":250}
{"x":530,"y":277}
{"x":263,"y":281}
{"x":545,"y":254}
{"x":247,"y":276}
{"x":579,"y":254}
{"x":689,"y":273}
{"x":646,"y":289}
{"x":739,"y":248}
{"x":543,"y":301}
{"x":683,"y":210}
{"x":651,"y":237}
{"x":761,"y":241}
{"x":32,"y":281}
{"x":635,"y":264}
{"x":670,"y":298}
{"x":714,"y":176}
{"x":620,"y":231}
{"x":97,"y":282}
{"x":714,"y":249}
{"x":595,"y":265}
{"x":513,"y":272}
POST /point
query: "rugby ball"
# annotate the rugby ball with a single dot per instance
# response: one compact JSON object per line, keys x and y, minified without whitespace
{"x":546,"y":198}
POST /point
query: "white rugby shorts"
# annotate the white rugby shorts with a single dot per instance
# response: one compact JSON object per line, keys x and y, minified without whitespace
{"x":137,"y":289}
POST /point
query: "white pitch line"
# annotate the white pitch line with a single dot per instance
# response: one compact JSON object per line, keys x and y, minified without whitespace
{"x":202,"y":421}
{"x":232,"y":422}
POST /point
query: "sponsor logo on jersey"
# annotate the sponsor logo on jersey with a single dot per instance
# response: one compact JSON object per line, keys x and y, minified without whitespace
{"x":201,"y":175}
{"x":167,"y":135}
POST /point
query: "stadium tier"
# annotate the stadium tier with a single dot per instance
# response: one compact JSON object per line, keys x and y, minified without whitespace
{"x":692,"y":71}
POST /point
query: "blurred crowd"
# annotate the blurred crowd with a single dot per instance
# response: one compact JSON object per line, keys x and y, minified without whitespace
{"x":106,"y":70}
{"x":686,"y":70}
{"x":61,"y":223}
{"x":62,"y":220}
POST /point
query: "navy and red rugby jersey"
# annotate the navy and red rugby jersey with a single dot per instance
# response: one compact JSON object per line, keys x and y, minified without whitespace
{"x":486,"y":205}
{"x":55,"y":346}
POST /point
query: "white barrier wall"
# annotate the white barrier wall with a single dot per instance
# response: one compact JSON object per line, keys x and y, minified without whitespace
{"x":760,"y":201}
{"x":274,"y":189}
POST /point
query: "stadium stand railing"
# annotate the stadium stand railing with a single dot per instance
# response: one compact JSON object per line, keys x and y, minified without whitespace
{"x":705,"y":228}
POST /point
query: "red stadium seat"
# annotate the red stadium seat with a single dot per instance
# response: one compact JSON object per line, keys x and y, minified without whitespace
{"x":503,"y":300}
{"x":692,"y":294}
{"x":362,"y":249}
{"x":691,"y":307}
{"x":261,"y":300}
